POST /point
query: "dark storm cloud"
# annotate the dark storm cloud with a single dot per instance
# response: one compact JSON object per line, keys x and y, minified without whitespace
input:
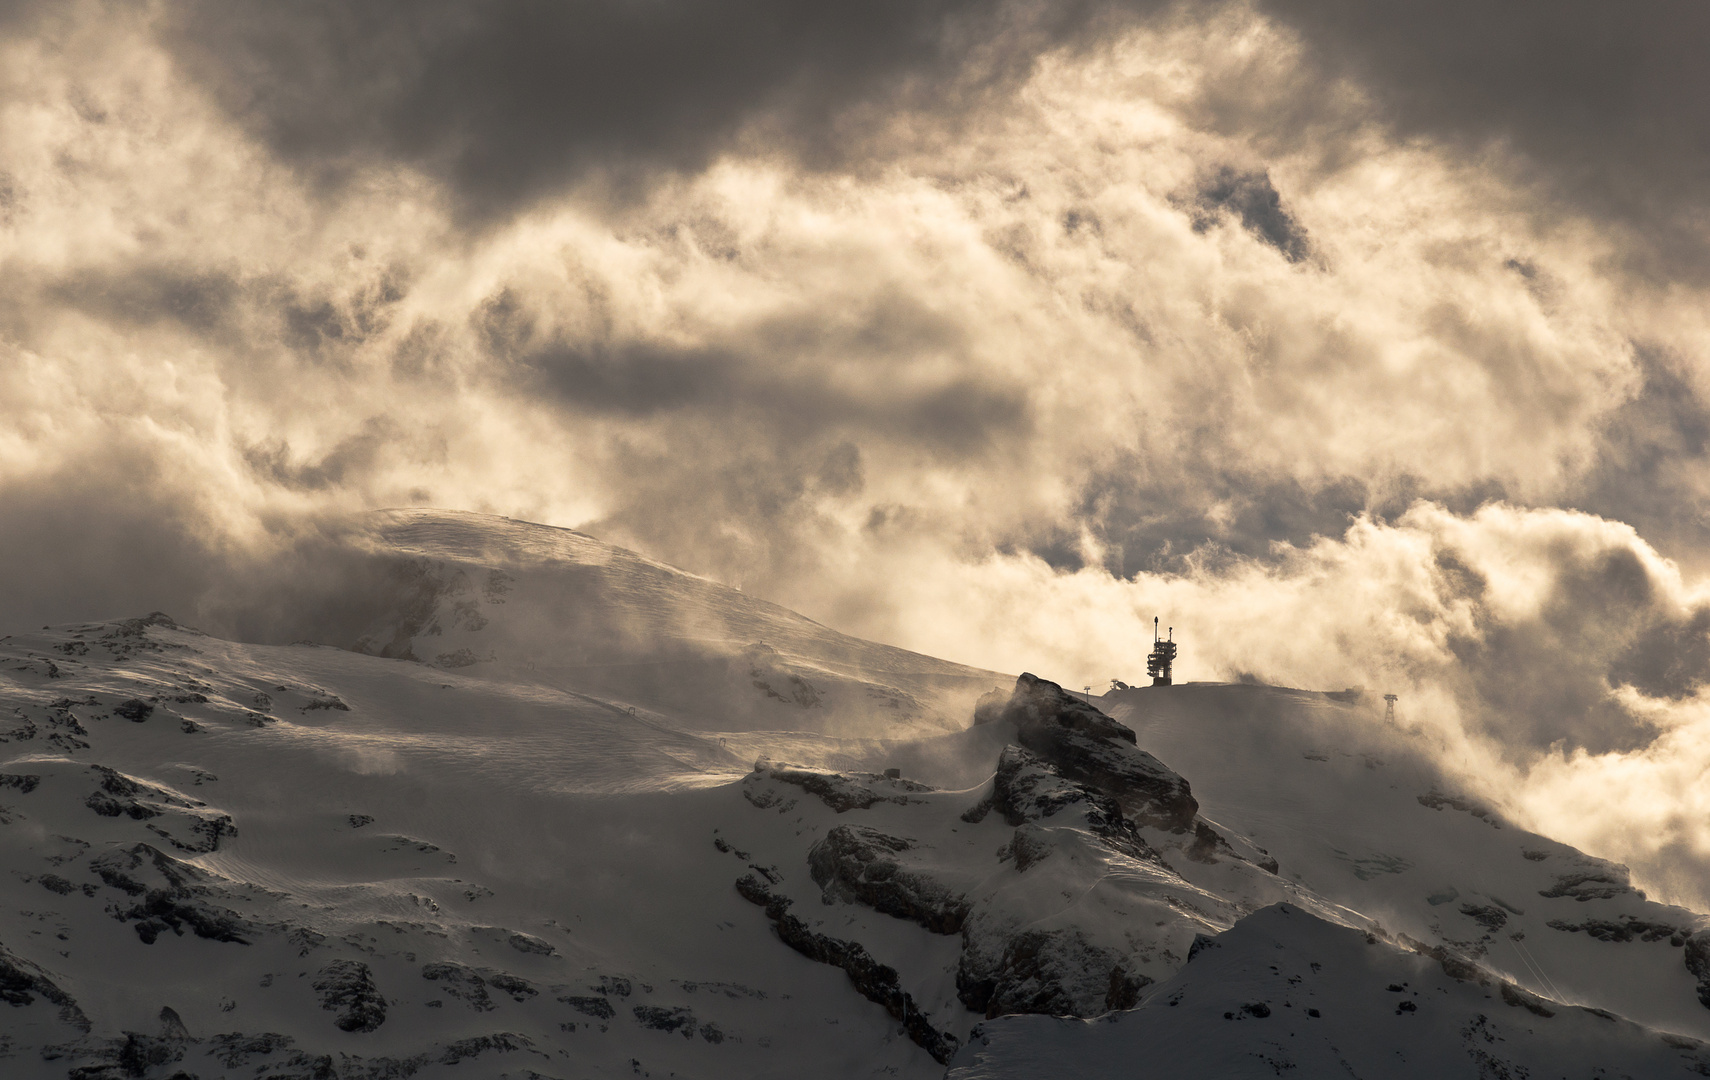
{"x":197,"y":297}
{"x":1654,"y":450}
{"x":115,"y":538}
{"x":1251,"y":198}
{"x":789,"y":379}
{"x":1605,"y":623}
{"x":511,"y":99}
{"x":1609,"y":102}
{"x":353,"y":456}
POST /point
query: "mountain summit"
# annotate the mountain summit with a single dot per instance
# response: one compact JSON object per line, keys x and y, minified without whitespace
{"x":563,"y":811}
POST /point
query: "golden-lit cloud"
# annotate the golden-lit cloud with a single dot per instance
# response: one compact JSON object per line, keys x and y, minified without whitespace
{"x":993,"y":346}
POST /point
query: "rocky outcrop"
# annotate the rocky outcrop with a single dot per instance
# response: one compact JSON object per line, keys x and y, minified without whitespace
{"x":347,"y":987}
{"x":1052,"y":972}
{"x":21,"y":982}
{"x":1027,"y":788}
{"x":878,"y":983}
{"x":198,"y":828}
{"x":1697,"y":957}
{"x":169,"y":896}
{"x":1591,"y":879}
{"x":855,"y":791}
{"x":1085,"y":745}
{"x":855,"y":863}
{"x":462,"y":983}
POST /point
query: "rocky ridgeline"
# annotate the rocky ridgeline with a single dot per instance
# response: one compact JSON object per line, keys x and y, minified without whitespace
{"x":1089,"y":748}
{"x":1085,"y":806}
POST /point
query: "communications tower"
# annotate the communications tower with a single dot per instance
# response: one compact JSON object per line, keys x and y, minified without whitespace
{"x":1389,"y":701}
{"x":1163,"y":656}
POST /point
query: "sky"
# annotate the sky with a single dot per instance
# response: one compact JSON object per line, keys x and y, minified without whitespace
{"x":1363,"y":344}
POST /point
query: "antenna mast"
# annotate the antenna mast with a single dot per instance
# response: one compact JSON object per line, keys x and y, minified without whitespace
{"x":1163,"y":656}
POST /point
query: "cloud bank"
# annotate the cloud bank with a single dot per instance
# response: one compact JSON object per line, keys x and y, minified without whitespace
{"x":1363,"y":351}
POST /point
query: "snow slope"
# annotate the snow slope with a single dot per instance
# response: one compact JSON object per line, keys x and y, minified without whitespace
{"x":1357,"y":811}
{"x":525,"y":834}
{"x":513,"y":601}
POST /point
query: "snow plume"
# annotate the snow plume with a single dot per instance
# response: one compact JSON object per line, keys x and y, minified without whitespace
{"x":988,"y":334}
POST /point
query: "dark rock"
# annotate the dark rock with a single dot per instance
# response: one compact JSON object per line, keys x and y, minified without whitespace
{"x":108,"y":806}
{"x":134,"y":710}
{"x":1028,"y":846}
{"x":21,"y":982}
{"x":1027,"y":788}
{"x":1037,"y":702}
{"x":1051,"y":972}
{"x":357,"y":821}
{"x":1436,"y":801}
{"x":464,"y":1049}
{"x":876,"y":982}
{"x":1088,"y":747}
{"x":1455,"y":967}
{"x":670,"y":1020}
{"x":1594,"y":880}
{"x":173,"y":898}
{"x":597,"y":1007}
{"x":1697,"y":959}
{"x":519,"y":989}
{"x":1532,"y":1003}
{"x":1626,"y":930}
{"x":348,"y":987}
{"x":57,"y":884}
{"x":855,"y":863}
{"x":1208,"y":844}
{"x":236,"y":1050}
{"x":1490,"y":917}
{"x":1201,"y":942}
{"x":461,"y":983}
{"x":141,"y":1054}
{"x":21,"y":782}
{"x":529,"y":944}
{"x":856,"y":791}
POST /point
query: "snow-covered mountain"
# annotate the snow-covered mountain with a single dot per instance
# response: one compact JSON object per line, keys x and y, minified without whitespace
{"x":562,"y":811}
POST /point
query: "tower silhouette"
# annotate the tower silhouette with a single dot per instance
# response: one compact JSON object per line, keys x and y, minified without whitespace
{"x":1389,"y":701}
{"x":1163,"y":656}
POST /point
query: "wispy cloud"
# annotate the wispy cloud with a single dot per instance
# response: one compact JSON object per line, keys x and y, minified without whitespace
{"x":987,"y":332}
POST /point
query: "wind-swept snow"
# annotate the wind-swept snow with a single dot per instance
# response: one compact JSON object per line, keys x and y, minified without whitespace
{"x":575,"y":813}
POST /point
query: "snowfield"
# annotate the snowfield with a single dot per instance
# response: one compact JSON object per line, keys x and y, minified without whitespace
{"x":562,"y":811}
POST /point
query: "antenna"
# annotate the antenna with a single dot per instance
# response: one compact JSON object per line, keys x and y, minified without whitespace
{"x":1163,"y":656}
{"x":1389,"y":701}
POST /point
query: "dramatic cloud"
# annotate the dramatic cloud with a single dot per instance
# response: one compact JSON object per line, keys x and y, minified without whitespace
{"x":1361,"y":357}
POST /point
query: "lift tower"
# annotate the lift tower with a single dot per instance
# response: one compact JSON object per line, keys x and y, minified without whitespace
{"x":1163,"y":656}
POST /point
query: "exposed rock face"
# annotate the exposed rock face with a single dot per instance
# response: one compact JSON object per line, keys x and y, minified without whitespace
{"x":1027,"y":788}
{"x":1698,"y":962}
{"x":1089,"y":747}
{"x":348,"y":987}
{"x":1054,"y":972}
{"x":169,"y":895}
{"x":878,"y":983}
{"x":21,"y":982}
{"x":857,"y":791}
{"x":854,"y":862}
{"x":461,"y":983}
{"x":1591,"y":879}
